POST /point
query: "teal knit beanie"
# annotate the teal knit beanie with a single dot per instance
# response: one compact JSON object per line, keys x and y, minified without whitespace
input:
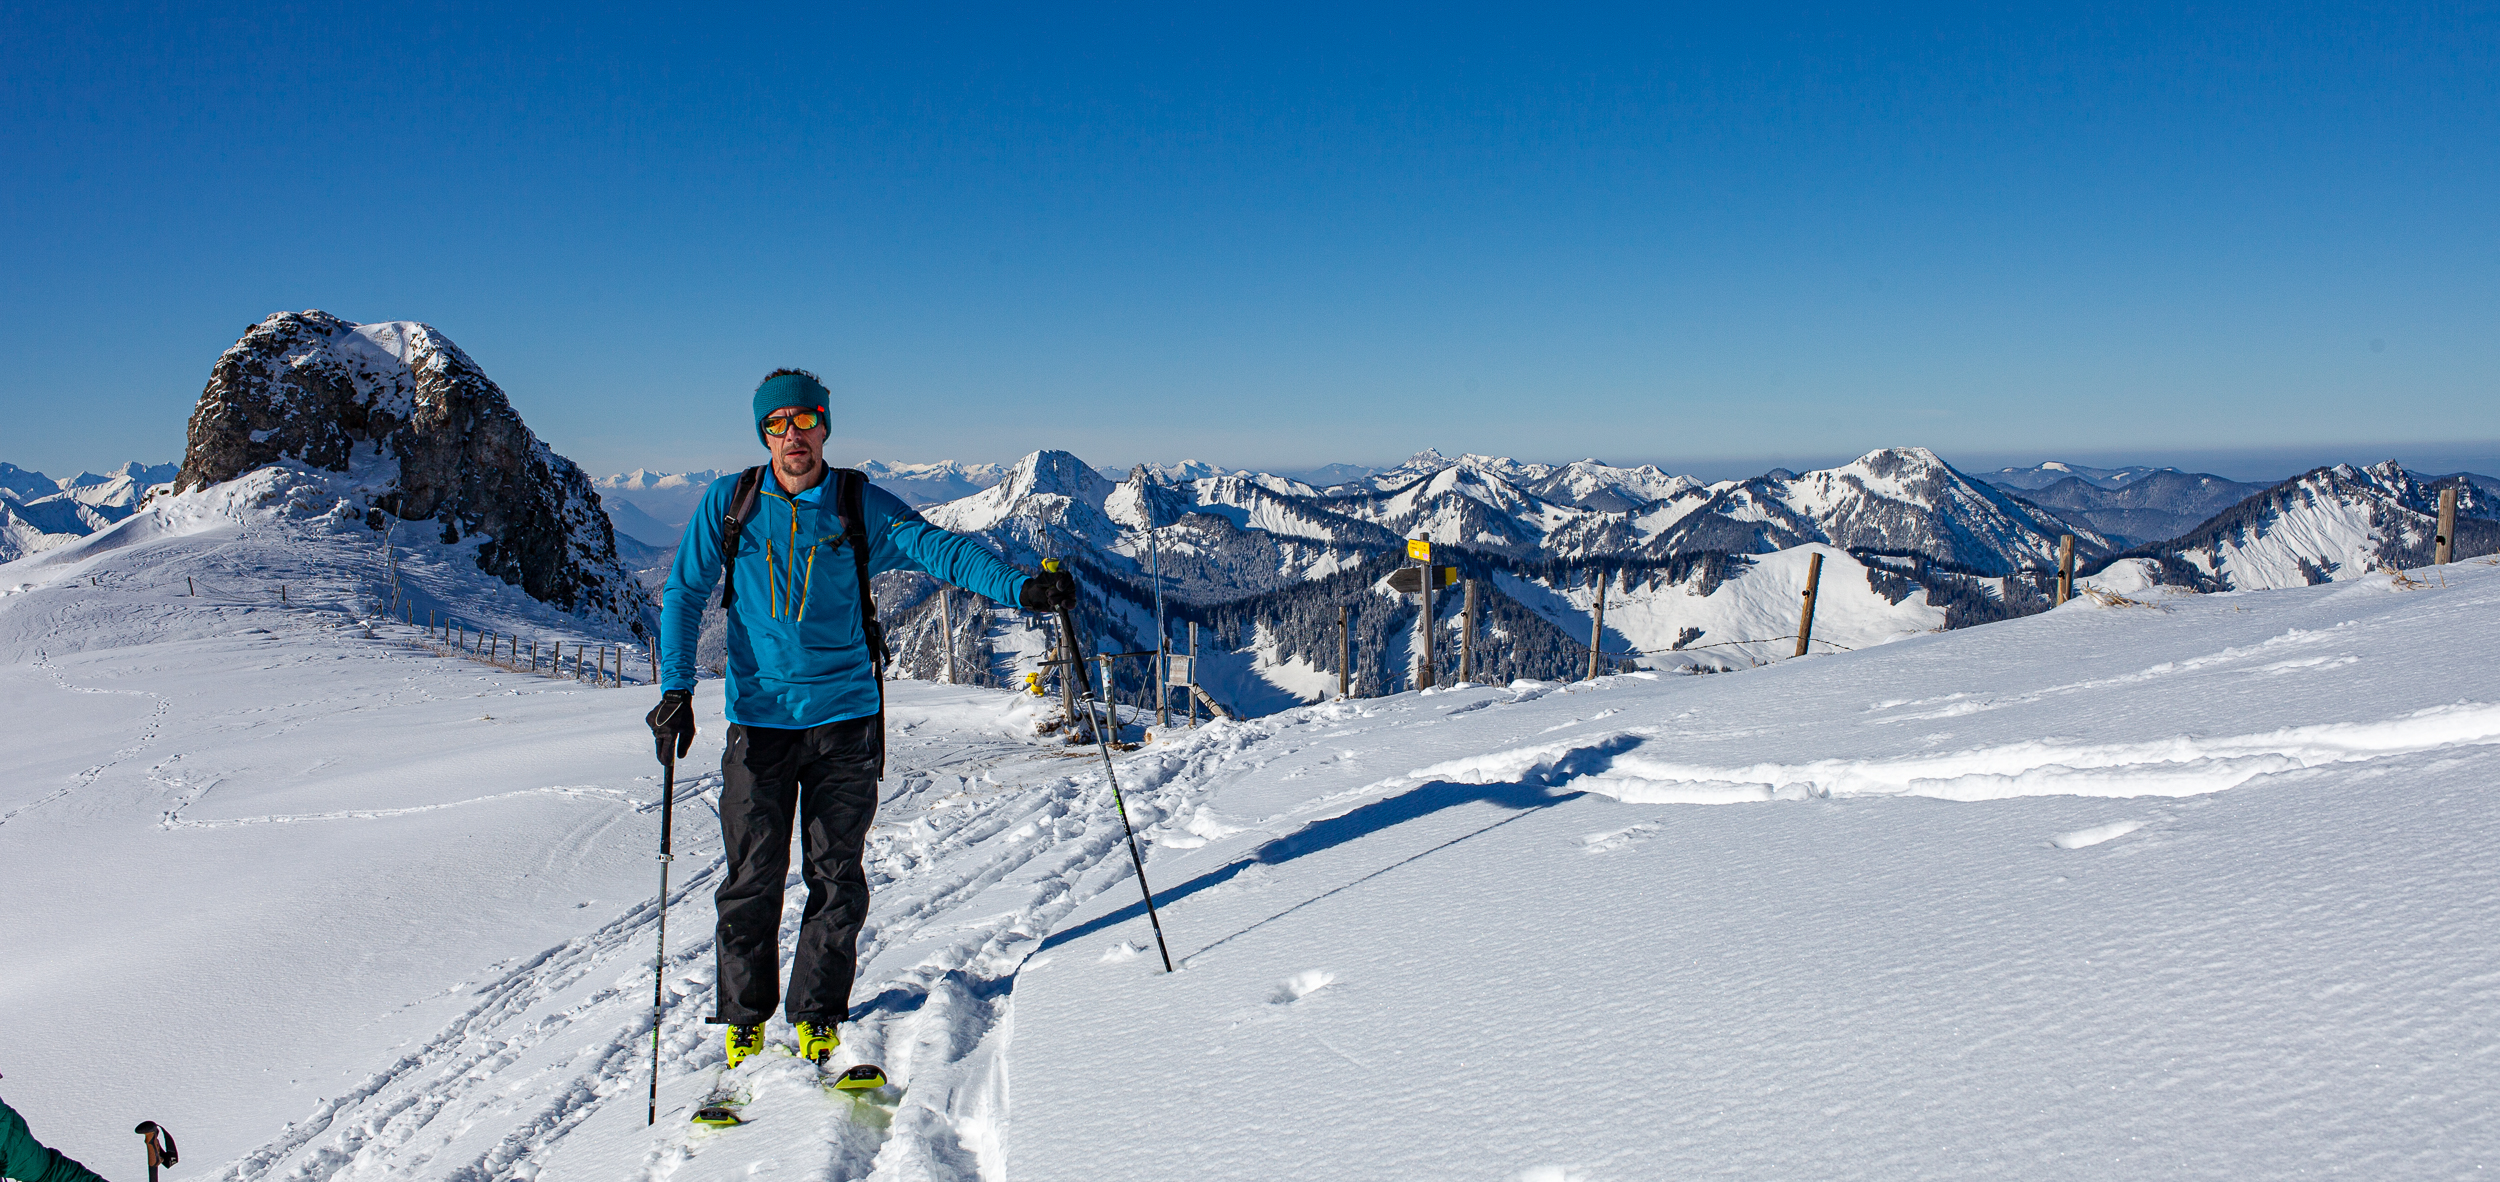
{"x":782,"y":391}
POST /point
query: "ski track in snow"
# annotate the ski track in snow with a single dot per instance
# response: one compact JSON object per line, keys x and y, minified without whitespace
{"x":1016,"y":859}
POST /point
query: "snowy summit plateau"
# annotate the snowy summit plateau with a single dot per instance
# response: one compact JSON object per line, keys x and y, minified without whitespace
{"x":331,"y":774}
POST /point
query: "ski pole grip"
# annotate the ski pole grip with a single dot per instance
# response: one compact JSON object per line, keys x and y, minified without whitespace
{"x":164,"y":1154}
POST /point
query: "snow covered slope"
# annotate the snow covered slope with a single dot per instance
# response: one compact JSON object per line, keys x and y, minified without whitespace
{"x":1736,"y":614}
{"x":2333,"y":523}
{"x":2194,"y":889}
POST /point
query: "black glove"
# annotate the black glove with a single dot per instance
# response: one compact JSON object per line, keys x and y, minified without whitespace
{"x":1049,"y":591}
{"x":673,"y":717}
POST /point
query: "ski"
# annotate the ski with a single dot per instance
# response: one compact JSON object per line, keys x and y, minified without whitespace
{"x":724,"y":1107}
{"x":719,"y":1108}
{"x":867,"y":1077}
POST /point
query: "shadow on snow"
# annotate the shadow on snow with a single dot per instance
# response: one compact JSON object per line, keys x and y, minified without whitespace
{"x":1531,"y":792}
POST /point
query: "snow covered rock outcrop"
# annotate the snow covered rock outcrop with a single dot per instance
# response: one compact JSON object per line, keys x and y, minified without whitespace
{"x":439,"y":440}
{"x":2327,"y":525}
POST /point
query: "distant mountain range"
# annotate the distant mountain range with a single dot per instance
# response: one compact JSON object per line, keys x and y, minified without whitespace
{"x":1694,"y":575}
{"x":2152,"y":504}
{"x":1698,"y":575}
{"x":2044,"y":475}
{"x":38,"y":512}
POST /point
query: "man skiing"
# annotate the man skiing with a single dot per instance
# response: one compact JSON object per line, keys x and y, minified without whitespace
{"x":806,"y":699}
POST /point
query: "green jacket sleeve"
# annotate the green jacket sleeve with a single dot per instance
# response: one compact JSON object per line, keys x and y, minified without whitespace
{"x":23,"y":1159}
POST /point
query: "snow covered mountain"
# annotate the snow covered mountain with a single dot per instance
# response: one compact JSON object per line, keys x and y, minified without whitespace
{"x":2330,"y":524}
{"x":1902,"y":501}
{"x":2044,"y":475}
{"x":1705,"y":577}
{"x":932,"y":483}
{"x":653,"y":507}
{"x":2152,"y":506}
{"x":38,"y":512}
{"x":426,"y":437}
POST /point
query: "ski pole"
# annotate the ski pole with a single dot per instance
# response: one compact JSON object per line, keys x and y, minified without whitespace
{"x":1076,"y":657}
{"x":158,"y":1155}
{"x":659,"y":963}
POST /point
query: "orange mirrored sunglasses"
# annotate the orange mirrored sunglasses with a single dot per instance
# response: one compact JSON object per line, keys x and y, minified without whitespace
{"x":804,"y":420}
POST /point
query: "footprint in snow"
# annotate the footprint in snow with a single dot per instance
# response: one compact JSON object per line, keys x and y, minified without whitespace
{"x":1609,"y":842}
{"x":1299,"y":986}
{"x":2095,"y":835}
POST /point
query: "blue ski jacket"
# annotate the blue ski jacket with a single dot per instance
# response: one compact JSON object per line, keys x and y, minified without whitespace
{"x":797,"y":657}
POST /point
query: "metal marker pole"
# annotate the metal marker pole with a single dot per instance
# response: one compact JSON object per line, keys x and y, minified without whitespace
{"x":1067,"y":628}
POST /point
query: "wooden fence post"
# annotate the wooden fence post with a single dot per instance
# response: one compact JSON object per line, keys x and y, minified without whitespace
{"x":2444,"y":547}
{"x":2065,"y":568}
{"x":1345,"y":656}
{"x":1193,"y":674}
{"x":1597,"y":625}
{"x":946,"y":624}
{"x":655,"y":661}
{"x":1805,"y":615}
{"x":1467,"y":638}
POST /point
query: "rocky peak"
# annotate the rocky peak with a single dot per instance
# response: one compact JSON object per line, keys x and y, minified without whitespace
{"x":442,"y":442}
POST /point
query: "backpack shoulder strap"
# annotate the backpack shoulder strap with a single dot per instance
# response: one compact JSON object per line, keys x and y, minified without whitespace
{"x":741,"y":510}
{"x":850,"y":499}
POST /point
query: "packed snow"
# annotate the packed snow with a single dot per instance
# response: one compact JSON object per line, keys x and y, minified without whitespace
{"x":2154,"y":884}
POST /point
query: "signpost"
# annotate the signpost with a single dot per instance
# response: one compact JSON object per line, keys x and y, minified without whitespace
{"x":1421,"y":551}
{"x":1409,"y":580}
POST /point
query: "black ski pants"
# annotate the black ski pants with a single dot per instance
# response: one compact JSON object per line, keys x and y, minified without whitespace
{"x":828,"y":776}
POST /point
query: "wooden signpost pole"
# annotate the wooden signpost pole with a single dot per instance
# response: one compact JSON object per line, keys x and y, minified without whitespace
{"x":1805,"y":616}
{"x":1345,"y":654}
{"x":2444,"y":548}
{"x":1424,"y":680}
{"x":1597,"y":626}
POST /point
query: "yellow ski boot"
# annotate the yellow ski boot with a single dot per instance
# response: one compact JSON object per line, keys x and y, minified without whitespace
{"x":817,"y":1040}
{"x":744,"y":1041}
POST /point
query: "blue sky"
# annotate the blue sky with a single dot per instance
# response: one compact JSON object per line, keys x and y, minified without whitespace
{"x":1274,"y":237}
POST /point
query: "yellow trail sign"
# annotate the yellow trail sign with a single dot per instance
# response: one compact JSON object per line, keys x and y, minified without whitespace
{"x":1419,"y":550}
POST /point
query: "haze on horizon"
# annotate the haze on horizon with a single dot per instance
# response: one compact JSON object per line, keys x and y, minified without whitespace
{"x":1282,"y":240}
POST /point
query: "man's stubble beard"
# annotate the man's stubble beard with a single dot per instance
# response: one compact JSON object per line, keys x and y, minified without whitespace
{"x":797,"y":467}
